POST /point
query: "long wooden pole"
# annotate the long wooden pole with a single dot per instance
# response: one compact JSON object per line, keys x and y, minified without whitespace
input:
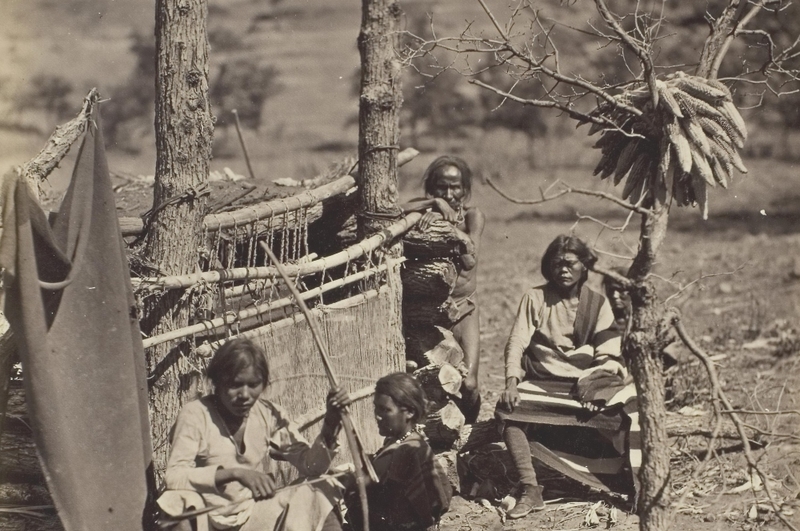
{"x":244,"y":146}
{"x":353,"y":440}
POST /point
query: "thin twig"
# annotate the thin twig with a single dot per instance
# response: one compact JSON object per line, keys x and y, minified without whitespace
{"x":721,"y":397}
{"x":567,"y":189}
{"x":699,"y":279}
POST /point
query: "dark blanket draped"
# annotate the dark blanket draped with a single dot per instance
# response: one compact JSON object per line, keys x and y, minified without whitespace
{"x":69,"y":302}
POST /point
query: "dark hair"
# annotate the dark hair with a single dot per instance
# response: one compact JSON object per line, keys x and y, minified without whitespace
{"x":233,"y":357}
{"x":567,"y":244}
{"x":610,"y":283}
{"x":433,"y":172}
{"x":406,"y":392}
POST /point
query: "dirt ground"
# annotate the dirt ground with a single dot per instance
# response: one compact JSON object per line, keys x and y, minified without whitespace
{"x":745,"y":312}
{"x":747,"y":319}
{"x":740,"y":269}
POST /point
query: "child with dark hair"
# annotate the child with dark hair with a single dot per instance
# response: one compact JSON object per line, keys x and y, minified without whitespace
{"x":563,"y":331}
{"x":448,"y":186}
{"x":413,"y":491}
{"x":222,"y":444}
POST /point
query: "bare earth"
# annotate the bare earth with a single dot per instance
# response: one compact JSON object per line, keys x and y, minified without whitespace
{"x":745,"y":309}
{"x":747,"y":318}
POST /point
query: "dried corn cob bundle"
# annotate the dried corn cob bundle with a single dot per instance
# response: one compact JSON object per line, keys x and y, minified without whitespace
{"x":677,"y":148}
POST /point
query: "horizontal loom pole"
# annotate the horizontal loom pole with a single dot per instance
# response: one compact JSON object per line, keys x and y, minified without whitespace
{"x":315,"y":266}
{"x":220,"y":322}
{"x":206,"y":349}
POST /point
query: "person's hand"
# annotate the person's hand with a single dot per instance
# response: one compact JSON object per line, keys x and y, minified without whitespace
{"x":510,"y":397}
{"x":337,"y":399}
{"x":426,"y":220}
{"x":261,"y":485}
{"x":448,"y":214}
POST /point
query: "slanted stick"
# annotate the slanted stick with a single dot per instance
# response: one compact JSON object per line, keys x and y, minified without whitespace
{"x":353,"y":439}
{"x":244,"y":146}
{"x":193,"y":513}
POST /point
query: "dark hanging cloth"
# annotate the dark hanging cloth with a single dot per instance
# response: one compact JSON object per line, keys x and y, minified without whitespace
{"x":70,"y":304}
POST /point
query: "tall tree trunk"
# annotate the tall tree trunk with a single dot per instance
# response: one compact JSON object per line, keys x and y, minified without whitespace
{"x":184,"y":131}
{"x":649,"y":326}
{"x":642,"y":349}
{"x":378,"y":141}
{"x":379,"y":114}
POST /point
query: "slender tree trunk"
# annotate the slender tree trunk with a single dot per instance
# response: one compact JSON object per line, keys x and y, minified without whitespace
{"x":184,"y":131}
{"x":642,"y":349}
{"x":379,"y":114}
{"x":649,"y":327}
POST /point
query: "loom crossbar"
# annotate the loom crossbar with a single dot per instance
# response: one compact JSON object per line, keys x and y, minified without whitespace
{"x":315,"y":266}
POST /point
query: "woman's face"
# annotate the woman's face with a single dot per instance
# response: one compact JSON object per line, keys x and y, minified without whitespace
{"x":567,"y":270}
{"x":448,"y":185}
{"x":393,"y":421}
{"x":241,"y":393}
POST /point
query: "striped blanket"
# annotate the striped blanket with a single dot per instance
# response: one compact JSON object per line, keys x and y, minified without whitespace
{"x":600,"y":449}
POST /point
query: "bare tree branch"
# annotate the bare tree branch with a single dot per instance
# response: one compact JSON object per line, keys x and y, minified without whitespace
{"x":58,"y":145}
{"x":726,"y":43}
{"x":699,"y":279}
{"x":641,"y":51}
{"x":567,"y":189}
{"x":719,"y":397}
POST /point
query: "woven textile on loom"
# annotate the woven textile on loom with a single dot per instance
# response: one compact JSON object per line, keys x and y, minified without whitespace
{"x":363,"y":342}
{"x":599,"y":449}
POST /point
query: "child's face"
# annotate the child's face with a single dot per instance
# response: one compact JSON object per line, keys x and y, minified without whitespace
{"x":449,"y":185}
{"x":393,"y":421}
{"x":567,"y":270}
{"x":619,"y":299}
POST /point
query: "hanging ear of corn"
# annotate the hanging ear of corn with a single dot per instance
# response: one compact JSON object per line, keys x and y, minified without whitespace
{"x":697,"y":130}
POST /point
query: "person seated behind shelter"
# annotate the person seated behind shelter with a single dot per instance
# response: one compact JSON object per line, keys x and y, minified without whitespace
{"x":222,"y":444}
{"x":413,"y":491}
{"x":620,"y":302}
{"x":563,"y":331}
{"x":448,"y":186}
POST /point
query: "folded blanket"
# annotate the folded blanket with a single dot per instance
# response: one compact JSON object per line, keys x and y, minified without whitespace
{"x":597,"y":448}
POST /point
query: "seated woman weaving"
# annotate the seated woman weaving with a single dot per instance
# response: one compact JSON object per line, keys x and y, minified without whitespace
{"x":565,"y":350}
{"x":222,"y":445}
{"x":413,"y":491}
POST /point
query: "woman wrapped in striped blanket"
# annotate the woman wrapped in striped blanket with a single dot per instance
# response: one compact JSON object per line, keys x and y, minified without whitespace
{"x":564,"y":371}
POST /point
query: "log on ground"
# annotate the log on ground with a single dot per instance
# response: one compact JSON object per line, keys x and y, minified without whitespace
{"x":440,"y":382}
{"x":443,"y":426}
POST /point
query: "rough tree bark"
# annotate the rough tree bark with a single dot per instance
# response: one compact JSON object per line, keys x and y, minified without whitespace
{"x":379,"y":115}
{"x":642,"y":350}
{"x":378,"y":138}
{"x":184,"y":130}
